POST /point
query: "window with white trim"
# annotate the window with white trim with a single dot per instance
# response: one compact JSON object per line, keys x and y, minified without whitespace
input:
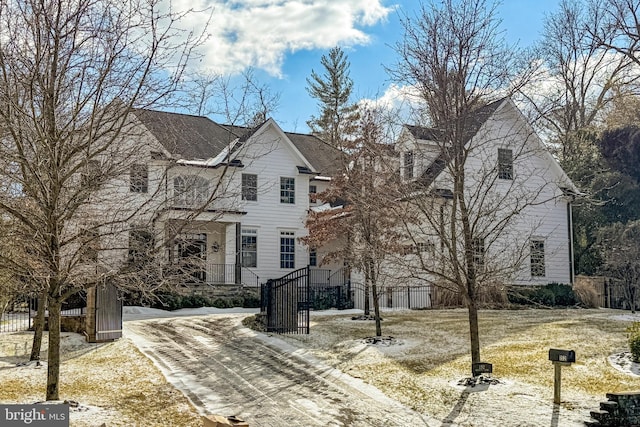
{"x":139,"y":178}
{"x":408,"y":164}
{"x":313,"y":257}
{"x":505,"y":163}
{"x":537,"y":258}
{"x":478,"y":251}
{"x":249,"y":250}
{"x":190,"y":191}
{"x":249,"y":187}
{"x":287,"y":190}
{"x":287,"y":249}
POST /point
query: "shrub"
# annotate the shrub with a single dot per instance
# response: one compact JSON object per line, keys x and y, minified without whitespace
{"x":634,"y":340}
{"x":550,"y":295}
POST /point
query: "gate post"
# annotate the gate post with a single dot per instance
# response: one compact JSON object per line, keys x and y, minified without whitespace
{"x":90,"y":317}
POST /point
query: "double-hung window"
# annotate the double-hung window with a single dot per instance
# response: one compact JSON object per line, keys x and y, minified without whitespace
{"x":408,"y":165}
{"x":287,"y":190}
{"x":249,"y":251}
{"x":537,"y":258}
{"x":505,"y":163}
{"x":139,"y":179}
{"x":287,"y":249}
{"x":249,"y":187}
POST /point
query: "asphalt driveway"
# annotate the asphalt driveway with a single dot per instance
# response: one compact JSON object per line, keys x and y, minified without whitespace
{"x":225,"y":368}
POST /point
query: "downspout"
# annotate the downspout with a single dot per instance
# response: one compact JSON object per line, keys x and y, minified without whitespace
{"x":570,"y":230}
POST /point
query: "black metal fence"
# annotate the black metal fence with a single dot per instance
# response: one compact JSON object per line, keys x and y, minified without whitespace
{"x":18,"y":314}
{"x":329,"y":289}
{"x":395,"y":297}
{"x":285,"y":303}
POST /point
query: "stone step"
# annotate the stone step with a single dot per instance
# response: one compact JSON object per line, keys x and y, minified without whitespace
{"x":609,"y":406}
{"x":603,"y":417}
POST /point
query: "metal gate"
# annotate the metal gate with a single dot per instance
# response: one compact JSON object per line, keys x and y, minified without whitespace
{"x":108,"y":313}
{"x":285,"y":302}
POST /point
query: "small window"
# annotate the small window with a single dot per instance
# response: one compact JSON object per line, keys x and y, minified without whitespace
{"x":505,"y":163}
{"x":287,"y":190}
{"x":89,"y":240}
{"x":249,"y":187}
{"x":313,"y":191}
{"x":190,"y":191}
{"x":313,"y":257}
{"x":91,"y":174}
{"x":140,"y":246}
{"x":287,"y":249}
{"x":408,"y":165}
{"x":139,"y":179}
{"x":537,"y":258}
{"x":249,"y":250}
{"x":477,"y":247}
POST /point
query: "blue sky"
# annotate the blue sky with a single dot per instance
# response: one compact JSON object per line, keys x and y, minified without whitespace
{"x":283,"y":40}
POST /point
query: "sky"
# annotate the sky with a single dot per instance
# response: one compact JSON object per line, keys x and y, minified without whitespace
{"x":284,"y":40}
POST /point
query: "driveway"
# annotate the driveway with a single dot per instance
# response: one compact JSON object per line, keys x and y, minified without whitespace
{"x":227,"y":369}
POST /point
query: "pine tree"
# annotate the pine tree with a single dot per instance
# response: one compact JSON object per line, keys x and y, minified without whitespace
{"x":332,"y":89}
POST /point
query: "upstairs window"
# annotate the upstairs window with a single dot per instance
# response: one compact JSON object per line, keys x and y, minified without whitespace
{"x":505,"y":163}
{"x":140,"y":246}
{"x":408,"y":165}
{"x":89,"y":240}
{"x":90,"y":175}
{"x":313,"y":257}
{"x":190,"y":191}
{"x":249,"y":187}
{"x":537,"y":258}
{"x":139,"y":179}
{"x":313,"y":191}
{"x":478,"y":250}
{"x":287,"y":190}
{"x":287,"y":249}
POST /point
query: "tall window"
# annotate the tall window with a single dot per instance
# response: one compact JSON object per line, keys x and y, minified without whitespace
{"x":505,"y":163}
{"x":477,"y":247}
{"x":139,"y":179}
{"x":90,"y":245}
{"x":313,"y":191}
{"x":190,"y":191}
{"x":287,"y":249}
{"x":249,"y":252}
{"x":408,"y":165}
{"x":537,"y":258}
{"x":313,"y":257}
{"x":140,"y":246}
{"x":90,"y":174}
{"x":287,"y":190}
{"x":249,"y":187}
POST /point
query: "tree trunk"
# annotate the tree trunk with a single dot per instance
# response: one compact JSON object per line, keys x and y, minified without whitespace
{"x":53,"y":361}
{"x":367,"y":309}
{"x":376,"y":309}
{"x":474,"y":331}
{"x":38,"y":326}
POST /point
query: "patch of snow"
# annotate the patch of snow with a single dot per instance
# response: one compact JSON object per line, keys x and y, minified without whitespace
{"x":131,"y":313}
{"x":624,"y":363}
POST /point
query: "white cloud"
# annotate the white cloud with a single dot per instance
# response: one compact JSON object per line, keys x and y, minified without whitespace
{"x":259,"y":33}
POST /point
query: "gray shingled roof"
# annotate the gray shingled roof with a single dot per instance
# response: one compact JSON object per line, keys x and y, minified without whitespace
{"x":195,"y":137}
{"x":188,"y":137}
{"x":325,"y":159}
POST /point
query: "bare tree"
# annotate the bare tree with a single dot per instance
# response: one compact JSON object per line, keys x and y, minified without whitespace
{"x":361,"y":222}
{"x":70,"y":75}
{"x":465,"y":186}
{"x":578,"y":78}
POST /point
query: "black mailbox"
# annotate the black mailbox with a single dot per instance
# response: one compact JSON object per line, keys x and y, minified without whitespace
{"x":481,"y":368}
{"x":556,"y":355}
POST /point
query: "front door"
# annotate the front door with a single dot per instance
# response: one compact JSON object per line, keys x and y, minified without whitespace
{"x":192,"y":251}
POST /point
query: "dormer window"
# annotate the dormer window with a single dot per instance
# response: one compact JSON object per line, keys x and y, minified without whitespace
{"x":408,"y":163}
{"x":505,"y":163}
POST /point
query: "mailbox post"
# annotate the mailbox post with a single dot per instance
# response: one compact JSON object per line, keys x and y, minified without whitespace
{"x":560,"y":358}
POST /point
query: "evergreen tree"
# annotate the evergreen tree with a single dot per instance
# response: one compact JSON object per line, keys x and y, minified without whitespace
{"x":333,"y":90}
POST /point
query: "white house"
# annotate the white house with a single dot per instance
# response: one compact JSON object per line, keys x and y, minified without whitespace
{"x":230,"y":199}
{"x":518,"y":195}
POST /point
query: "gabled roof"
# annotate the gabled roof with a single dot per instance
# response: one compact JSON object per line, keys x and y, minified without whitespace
{"x":473,"y":122}
{"x":325,"y":159}
{"x":190,"y":137}
{"x":186,"y":136}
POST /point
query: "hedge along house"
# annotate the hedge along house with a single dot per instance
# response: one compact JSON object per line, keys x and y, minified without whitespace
{"x":226,"y":205}
{"x":516,"y":196}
